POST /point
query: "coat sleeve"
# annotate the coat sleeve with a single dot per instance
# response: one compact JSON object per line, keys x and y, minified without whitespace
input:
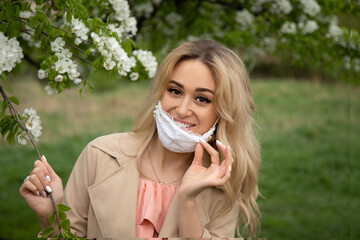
{"x":76,"y":190}
{"x":218,"y":224}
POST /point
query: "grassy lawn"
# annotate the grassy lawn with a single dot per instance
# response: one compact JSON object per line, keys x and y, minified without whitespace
{"x":310,"y":149}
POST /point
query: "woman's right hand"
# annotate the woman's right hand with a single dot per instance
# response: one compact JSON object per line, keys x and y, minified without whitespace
{"x":34,"y":188}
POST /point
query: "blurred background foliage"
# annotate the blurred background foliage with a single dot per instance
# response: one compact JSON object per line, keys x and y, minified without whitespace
{"x":308,"y":120}
{"x":253,"y":28}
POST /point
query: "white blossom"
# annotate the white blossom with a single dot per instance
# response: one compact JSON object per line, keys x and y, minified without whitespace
{"x":77,"y":80}
{"x":311,"y":7}
{"x":269,"y":44}
{"x":29,"y":32}
{"x":281,"y":6}
{"x":309,"y":27}
{"x":10,"y":53}
{"x":33,"y":125}
{"x":64,"y":63}
{"x":109,"y":64}
{"x":347,"y":62}
{"x":130,"y":26}
{"x":173,"y":18}
{"x":42,"y":73}
{"x":121,"y":8}
{"x":50,"y":90}
{"x":80,"y":30}
{"x":144,"y":8}
{"x":22,"y":138}
{"x":134,"y":76}
{"x":244,"y":18}
{"x":59,"y":78}
{"x":288,"y":28}
{"x":95,"y":37}
{"x":115,"y":55}
{"x":334,"y":31}
{"x":118,"y":29}
{"x":26,"y":14}
{"x":147,"y":60}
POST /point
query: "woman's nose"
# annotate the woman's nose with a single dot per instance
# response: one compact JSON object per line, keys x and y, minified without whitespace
{"x":184,"y":108}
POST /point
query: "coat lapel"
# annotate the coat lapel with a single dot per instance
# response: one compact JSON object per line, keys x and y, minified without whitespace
{"x":114,"y":198}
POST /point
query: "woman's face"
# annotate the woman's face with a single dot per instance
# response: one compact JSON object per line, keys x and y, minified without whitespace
{"x":189,"y":96}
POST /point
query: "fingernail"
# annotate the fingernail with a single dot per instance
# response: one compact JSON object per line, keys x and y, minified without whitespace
{"x":202,"y":140}
{"x":219,"y":142}
{"x":48,"y":178}
{"x":43,"y":194}
{"x":230,"y":168}
{"x":38,"y":193}
{"x":48,"y":189}
{"x":229,"y":148}
{"x":44,"y":158}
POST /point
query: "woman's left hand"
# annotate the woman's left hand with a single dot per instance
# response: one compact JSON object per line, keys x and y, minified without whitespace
{"x":197,"y":177}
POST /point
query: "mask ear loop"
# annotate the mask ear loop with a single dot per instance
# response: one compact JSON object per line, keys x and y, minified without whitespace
{"x":216,"y":121}
{"x":213,"y":127}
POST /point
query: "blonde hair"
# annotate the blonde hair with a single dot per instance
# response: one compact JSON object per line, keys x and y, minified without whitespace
{"x":235,"y":106}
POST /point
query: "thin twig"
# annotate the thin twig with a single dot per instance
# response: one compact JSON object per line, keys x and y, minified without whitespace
{"x":56,"y":213}
{"x":14,"y":112}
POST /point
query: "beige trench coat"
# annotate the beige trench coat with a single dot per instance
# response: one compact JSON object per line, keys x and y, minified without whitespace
{"x":102,"y":193}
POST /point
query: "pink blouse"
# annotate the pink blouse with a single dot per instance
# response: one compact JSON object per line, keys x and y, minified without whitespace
{"x":153,"y":202}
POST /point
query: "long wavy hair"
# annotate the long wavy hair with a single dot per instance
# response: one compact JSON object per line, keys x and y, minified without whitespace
{"x":235,"y":105}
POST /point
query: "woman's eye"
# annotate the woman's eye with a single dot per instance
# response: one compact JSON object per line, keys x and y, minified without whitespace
{"x":203,"y":99}
{"x":174,"y":91}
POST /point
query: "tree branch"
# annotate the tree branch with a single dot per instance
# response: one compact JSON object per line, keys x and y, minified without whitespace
{"x":14,"y":112}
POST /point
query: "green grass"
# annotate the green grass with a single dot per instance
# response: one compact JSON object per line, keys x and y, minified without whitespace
{"x":310,"y":141}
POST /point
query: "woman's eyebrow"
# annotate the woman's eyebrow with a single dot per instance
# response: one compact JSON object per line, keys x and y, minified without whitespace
{"x":197,"y":89}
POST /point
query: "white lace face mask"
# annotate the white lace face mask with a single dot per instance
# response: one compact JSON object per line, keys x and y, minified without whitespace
{"x":175,"y":138}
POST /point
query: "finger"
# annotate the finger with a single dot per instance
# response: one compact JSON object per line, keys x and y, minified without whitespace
{"x":226,"y":164}
{"x":39,"y":177}
{"x":42,"y":167}
{"x":28,"y":187}
{"x":199,"y":152}
{"x":52,"y":173}
{"x":34,"y":179}
{"x":213,"y":153}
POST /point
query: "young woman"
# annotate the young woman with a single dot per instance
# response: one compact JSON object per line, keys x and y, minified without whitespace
{"x":189,"y":168}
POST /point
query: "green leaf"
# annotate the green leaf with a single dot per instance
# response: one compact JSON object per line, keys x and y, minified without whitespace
{"x":90,"y":85}
{"x":63,"y":208}
{"x":62,"y":215}
{"x":52,"y":218}
{"x":2,"y":115}
{"x":127,"y":47}
{"x":4,"y":106}
{"x":14,"y":100}
{"x":97,"y":63}
{"x":81,"y":10}
{"x":69,"y":16}
{"x":88,"y":51}
{"x":54,"y":58}
{"x":47,"y":232}
{"x":34,"y":21}
{"x":133,"y":44}
{"x":44,"y":42}
{"x":65,"y":224}
{"x":71,"y":235}
{"x":4,"y":77}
